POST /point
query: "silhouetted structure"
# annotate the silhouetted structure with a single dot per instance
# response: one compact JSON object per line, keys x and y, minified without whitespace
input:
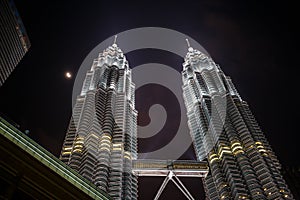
{"x":14,"y":41}
{"x":28,"y":171}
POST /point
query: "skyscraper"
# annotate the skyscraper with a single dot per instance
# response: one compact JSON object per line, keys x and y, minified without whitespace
{"x":101,"y":139}
{"x":225,"y":133}
{"x":14,"y":41}
{"x":292,"y":176}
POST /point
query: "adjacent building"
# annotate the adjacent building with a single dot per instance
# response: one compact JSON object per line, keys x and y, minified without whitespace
{"x":101,"y":139}
{"x":14,"y":41}
{"x":28,"y":171}
{"x":226,"y":134}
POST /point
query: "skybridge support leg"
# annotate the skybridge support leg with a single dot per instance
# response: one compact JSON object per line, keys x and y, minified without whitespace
{"x":179,"y":185}
{"x":183,"y":188}
{"x":162,"y":187}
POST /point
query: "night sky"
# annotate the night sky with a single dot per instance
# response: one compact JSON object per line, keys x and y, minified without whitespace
{"x":254,"y":43}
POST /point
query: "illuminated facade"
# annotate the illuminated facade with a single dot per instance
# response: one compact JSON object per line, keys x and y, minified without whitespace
{"x":101,"y":139}
{"x":14,"y":41}
{"x":242,"y":163}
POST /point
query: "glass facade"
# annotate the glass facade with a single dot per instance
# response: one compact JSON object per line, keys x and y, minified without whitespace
{"x":14,"y":41}
{"x":225,"y":133}
{"x":101,"y":140}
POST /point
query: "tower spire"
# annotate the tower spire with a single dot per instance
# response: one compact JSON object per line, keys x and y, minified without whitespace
{"x":190,"y":49}
{"x":188,"y":43}
{"x":115,"y":39}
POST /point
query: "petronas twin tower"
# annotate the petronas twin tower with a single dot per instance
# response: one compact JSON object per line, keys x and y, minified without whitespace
{"x":101,"y":139}
{"x":242,"y":163}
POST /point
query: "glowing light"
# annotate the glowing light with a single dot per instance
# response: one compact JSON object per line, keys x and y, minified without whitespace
{"x":66,"y":153}
{"x":77,"y":150}
{"x":67,"y":148}
{"x":105,"y":148}
{"x":68,"y":75}
{"x":117,"y":149}
{"x":214,"y":159}
{"x":105,"y":144}
{"x":78,"y":146}
{"x":237,"y":148}
{"x":107,"y":137}
{"x":127,"y":157}
{"x":222,"y":150}
{"x":238,"y":151}
{"x":79,"y":142}
{"x":212,"y":156}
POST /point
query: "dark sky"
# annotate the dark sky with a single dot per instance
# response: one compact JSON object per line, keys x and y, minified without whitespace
{"x":254,"y":43}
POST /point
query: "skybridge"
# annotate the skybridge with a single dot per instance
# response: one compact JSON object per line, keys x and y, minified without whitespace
{"x":172,"y":170}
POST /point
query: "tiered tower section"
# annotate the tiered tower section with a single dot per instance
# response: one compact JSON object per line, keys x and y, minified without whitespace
{"x":225,"y":133}
{"x":101,"y":139}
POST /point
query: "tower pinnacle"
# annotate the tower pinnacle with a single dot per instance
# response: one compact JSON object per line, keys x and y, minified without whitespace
{"x":188,"y":43}
{"x":115,"y":40}
{"x":190,"y":49}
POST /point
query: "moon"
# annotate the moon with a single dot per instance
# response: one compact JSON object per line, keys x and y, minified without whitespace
{"x":68,"y":75}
